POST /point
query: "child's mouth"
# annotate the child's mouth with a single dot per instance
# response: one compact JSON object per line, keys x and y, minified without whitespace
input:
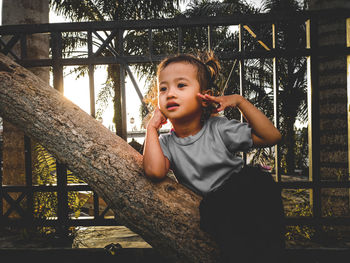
{"x":172,"y":106}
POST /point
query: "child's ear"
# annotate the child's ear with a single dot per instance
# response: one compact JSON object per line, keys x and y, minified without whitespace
{"x":204,"y":102}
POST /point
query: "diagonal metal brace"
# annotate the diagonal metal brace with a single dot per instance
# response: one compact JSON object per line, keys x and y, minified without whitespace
{"x":14,"y":204}
{"x":105,"y":42}
{"x":9,"y":45}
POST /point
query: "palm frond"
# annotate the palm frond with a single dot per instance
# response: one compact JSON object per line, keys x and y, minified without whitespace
{"x":77,"y":10}
{"x":104,"y":97}
{"x":215,"y":8}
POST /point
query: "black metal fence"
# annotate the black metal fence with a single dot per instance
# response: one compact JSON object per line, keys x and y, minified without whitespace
{"x":117,"y":55}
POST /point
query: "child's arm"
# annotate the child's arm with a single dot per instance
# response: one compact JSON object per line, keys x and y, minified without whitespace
{"x":155,"y":164}
{"x":264,"y":132}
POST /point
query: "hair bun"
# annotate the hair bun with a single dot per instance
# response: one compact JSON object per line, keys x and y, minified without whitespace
{"x":212,"y":64}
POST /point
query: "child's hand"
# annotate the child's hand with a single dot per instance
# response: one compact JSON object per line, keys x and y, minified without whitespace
{"x":222,"y":101}
{"x":157,"y":119}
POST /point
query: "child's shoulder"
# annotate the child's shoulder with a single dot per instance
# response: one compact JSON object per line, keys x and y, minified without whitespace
{"x":222,"y":123}
{"x":220,"y":120}
{"x":216,"y":119}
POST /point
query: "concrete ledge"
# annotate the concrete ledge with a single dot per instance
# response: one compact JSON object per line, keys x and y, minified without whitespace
{"x":145,"y":255}
{"x":64,"y":255}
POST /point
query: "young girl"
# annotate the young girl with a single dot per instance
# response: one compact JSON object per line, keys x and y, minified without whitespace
{"x":202,"y":147}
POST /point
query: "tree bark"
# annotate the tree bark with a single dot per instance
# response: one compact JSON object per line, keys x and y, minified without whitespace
{"x":165,"y":213}
{"x":37,"y":47}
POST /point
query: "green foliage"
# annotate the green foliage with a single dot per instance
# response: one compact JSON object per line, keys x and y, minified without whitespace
{"x":300,"y":232}
{"x":104,"y":98}
{"x":300,"y":207}
{"x":301,"y":149}
{"x":44,"y":173}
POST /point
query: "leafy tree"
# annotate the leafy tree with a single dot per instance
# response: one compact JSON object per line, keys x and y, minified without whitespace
{"x":44,"y":172}
{"x":292,"y":77}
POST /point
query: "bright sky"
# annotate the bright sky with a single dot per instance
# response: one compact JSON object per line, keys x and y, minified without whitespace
{"x":77,"y":90}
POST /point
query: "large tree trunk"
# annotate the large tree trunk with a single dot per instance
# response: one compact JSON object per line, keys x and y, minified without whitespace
{"x":22,"y":12}
{"x":165,"y":214}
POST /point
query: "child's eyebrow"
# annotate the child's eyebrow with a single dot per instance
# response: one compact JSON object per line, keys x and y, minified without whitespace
{"x":175,"y":80}
{"x":181,"y":78}
{"x":162,"y":83}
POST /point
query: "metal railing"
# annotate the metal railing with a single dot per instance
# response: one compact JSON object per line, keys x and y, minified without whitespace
{"x":118,"y":55}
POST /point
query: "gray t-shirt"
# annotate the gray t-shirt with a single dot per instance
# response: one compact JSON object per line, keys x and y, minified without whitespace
{"x":202,"y":162}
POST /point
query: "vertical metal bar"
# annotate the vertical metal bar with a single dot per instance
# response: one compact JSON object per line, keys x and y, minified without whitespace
{"x":348,"y":92}
{"x":314,"y":116}
{"x":209,"y":38}
{"x":241,"y":64}
{"x":242,"y":75}
{"x":91,"y":70}
{"x":123,"y":103}
{"x":28,"y":176}
{"x":96,"y":207}
{"x":62,"y":199}
{"x":23,"y":46}
{"x":122,"y":85}
{"x":90,"y":48}
{"x":61,"y":171}
{"x":275,"y":103}
{"x":57,"y":64}
{"x":92,"y":106}
{"x":180,"y":40}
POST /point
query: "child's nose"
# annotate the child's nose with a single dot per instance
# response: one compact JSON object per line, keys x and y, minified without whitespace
{"x":171,"y":92}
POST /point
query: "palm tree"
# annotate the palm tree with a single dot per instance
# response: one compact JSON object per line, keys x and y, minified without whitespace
{"x":258,"y":87}
{"x":292,"y":77}
{"x":109,"y":10}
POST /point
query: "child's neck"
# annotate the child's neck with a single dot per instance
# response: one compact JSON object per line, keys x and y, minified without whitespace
{"x":184,"y":129}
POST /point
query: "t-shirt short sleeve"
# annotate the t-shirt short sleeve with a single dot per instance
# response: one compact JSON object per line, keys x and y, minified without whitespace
{"x":164,"y":144}
{"x":236,"y":135}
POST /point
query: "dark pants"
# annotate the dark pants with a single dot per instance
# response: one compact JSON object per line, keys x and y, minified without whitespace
{"x":245,"y":217}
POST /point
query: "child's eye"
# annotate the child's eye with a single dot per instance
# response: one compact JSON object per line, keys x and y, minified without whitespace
{"x":162,"y":89}
{"x":181,"y":85}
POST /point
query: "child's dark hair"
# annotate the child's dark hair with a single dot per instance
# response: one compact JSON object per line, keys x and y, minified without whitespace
{"x":208,"y":69}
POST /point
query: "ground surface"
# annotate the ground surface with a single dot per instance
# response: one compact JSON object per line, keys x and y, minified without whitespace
{"x":83,"y":237}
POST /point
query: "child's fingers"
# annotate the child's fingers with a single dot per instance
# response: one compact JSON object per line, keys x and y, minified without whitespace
{"x":215,"y":100}
{"x":207,"y":97}
{"x":202,"y":96}
{"x":212,"y":98}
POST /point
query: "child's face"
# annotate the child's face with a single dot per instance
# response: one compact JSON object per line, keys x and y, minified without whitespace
{"x":178,"y":88}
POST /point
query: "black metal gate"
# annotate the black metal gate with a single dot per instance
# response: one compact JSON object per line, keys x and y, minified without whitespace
{"x":179,"y":26}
